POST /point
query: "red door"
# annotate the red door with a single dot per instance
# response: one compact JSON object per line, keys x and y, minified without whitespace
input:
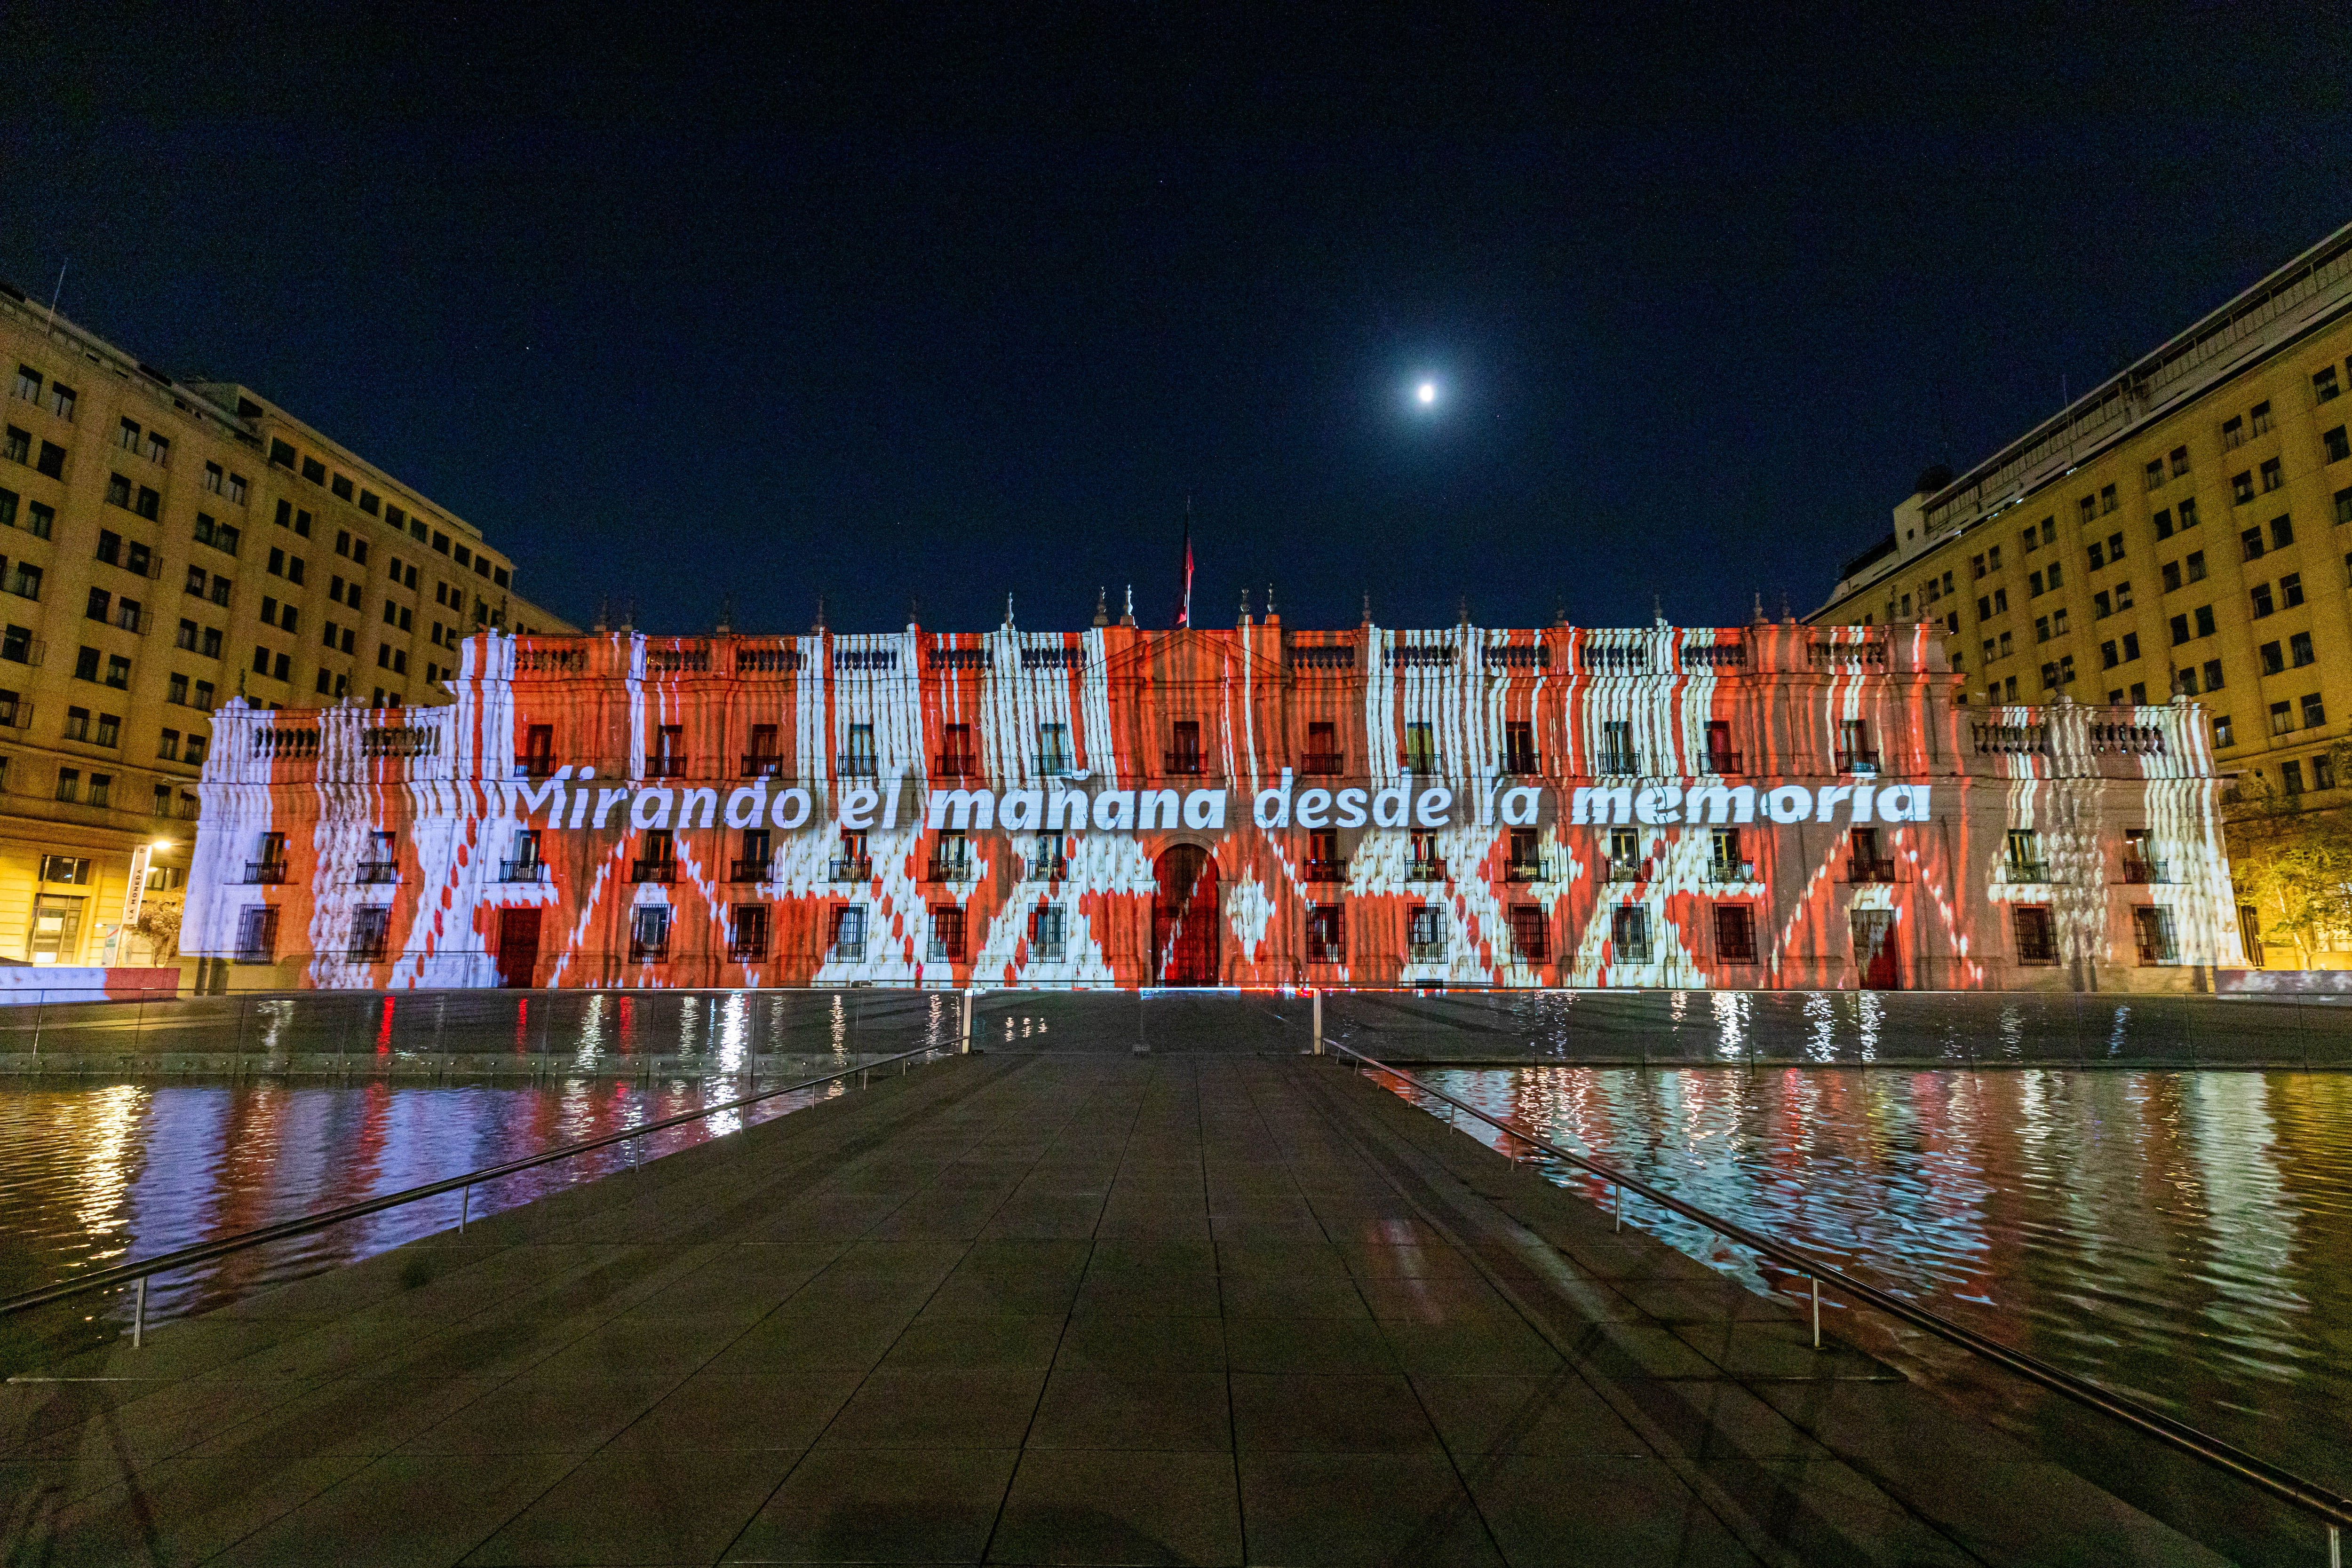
{"x":518,"y":947}
{"x":1184,"y":918}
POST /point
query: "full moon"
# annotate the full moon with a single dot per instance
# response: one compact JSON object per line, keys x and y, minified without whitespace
{"x":1425,"y":394}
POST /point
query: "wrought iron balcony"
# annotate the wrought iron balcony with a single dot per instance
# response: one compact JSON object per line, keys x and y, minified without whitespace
{"x":1527,"y":870}
{"x":2144,"y":872}
{"x":664,"y":767}
{"x":376,"y":872}
{"x":1860,"y":870}
{"x":1731,"y":871}
{"x":1052,"y":764}
{"x":1322,"y":951}
{"x":746,"y":949}
{"x":1419,"y":762}
{"x":523,"y":870}
{"x":850,"y":868}
{"x":1618,"y":765}
{"x":1188,"y":762}
{"x":648,"y":952}
{"x":1523,"y":763}
{"x":856,"y":764}
{"x":955,"y":765}
{"x":366,"y":951}
{"x":654,"y":871}
{"x":269,"y":874}
{"x":1636,"y":869}
{"x":1321,"y":764}
{"x":2024,"y":870}
{"x":955,"y":869}
{"x":536,"y":765}
{"x":1427,"y":870}
{"x":762,"y":765}
{"x":1731,"y":763}
{"x":1326,"y":871}
{"x":1429,"y":952}
{"x":1045,"y":868}
{"x":752,"y":869}
{"x":1857,"y":761}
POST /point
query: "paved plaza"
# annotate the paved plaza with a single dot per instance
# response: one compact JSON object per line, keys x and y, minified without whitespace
{"x":1034,"y":1310}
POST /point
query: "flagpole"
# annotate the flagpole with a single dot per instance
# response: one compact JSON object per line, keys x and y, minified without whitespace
{"x":1184,"y":605}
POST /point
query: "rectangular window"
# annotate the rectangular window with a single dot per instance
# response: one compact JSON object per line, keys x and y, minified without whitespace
{"x":2242,"y":487}
{"x":2037,"y":935}
{"x":257,"y":935}
{"x":2152,"y":933}
{"x":1629,"y":934}
{"x":947,"y":934}
{"x":77,"y":723}
{"x":2204,"y":614}
{"x":2188,"y":511}
{"x":2131,"y":646}
{"x":2153,"y":473}
{"x":1046,"y":934}
{"x":2290,"y":589}
{"x":1530,"y":933}
{"x":2106,"y":500}
{"x":1327,"y":933}
{"x":110,"y":729}
{"x":2261,"y":599}
{"x":1735,"y":933}
{"x":747,"y":934}
{"x":2315,"y":711}
{"x":1618,"y":755}
{"x":2339,"y":444}
{"x":848,"y":944}
{"x":2272,"y":475}
{"x":2322,"y":384}
{"x":2300,"y":650}
{"x":2282,"y":718}
{"x":69,"y":783}
{"x":2260,"y":414}
{"x":649,"y":934}
{"x":2251,"y":542}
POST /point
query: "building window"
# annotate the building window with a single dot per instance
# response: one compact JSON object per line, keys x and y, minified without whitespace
{"x":1046,"y":939}
{"x":2272,"y":477}
{"x":1327,"y":933}
{"x":1618,"y":755}
{"x":2322,"y":384}
{"x":2106,"y":500}
{"x":947,"y":934}
{"x":2154,"y":473}
{"x":1735,"y":933}
{"x":2152,"y":933}
{"x":2261,"y":598}
{"x":747,"y":937}
{"x":2037,"y":935}
{"x":2261,"y":416}
{"x":2282,"y":718}
{"x":101,"y":788}
{"x":371,"y":927}
{"x":257,"y":934}
{"x":77,"y":723}
{"x":649,"y":934}
{"x":110,"y":729}
{"x":2273,"y":659}
{"x":2300,"y":650}
{"x":2339,"y":444}
{"x":2242,"y":487}
{"x":2224,"y":736}
{"x":1628,"y":934}
{"x":1530,"y":933}
{"x":2291,"y":777}
{"x":2315,"y":711}
{"x":849,"y":932}
{"x":2250,"y":542}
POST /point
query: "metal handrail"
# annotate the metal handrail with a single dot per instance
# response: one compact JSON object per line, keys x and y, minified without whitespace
{"x":205,"y":1251}
{"x":2333,"y":1508}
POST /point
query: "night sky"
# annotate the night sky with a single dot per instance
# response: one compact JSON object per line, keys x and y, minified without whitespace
{"x":946,"y":306}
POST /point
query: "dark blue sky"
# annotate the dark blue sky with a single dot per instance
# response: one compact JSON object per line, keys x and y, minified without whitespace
{"x":940,"y":307}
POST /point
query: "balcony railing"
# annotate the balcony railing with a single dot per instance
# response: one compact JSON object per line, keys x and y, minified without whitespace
{"x":1045,"y":868}
{"x":1731,"y":871}
{"x":1187,"y":762}
{"x":1322,"y":950}
{"x":1432,"y":870}
{"x":654,"y":871}
{"x":2146,"y":872}
{"x":376,"y":872}
{"x":648,"y":952}
{"x":761,"y":765}
{"x":1429,"y":952}
{"x":955,"y":765}
{"x":1052,"y":764}
{"x":2024,"y":870}
{"x":536,"y":765}
{"x":664,"y":767}
{"x":1633,"y":869}
{"x":754,"y":870}
{"x":1326,"y":871}
{"x":523,"y":870}
{"x":1618,"y":765}
{"x":1723,"y":762}
{"x":1860,"y":870}
{"x":1522,"y":763}
{"x":1527,"y":870}
{"x":366,"y":951}
{"x":746,"y":949}
{"x":850,"y":868}
{"x":959,"y":869}
{"x":856,"y":764}
{"x":269,"y":874}
{"x":1321,"y":764}
{"x":1857,"y":761}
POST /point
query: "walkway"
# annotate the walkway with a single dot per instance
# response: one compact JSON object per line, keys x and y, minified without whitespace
{"x":1033,"y":1310}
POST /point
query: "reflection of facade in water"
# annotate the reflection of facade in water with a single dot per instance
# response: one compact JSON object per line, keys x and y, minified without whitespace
{"x":1765,"y":806}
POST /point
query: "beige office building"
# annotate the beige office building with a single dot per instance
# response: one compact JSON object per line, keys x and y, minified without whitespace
{"x":2184,"y":528}
{"x":165,"y":544}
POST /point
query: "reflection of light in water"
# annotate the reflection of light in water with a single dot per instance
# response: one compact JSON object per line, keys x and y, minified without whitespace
{"x":734,"y":1032}
{"x":1731,"y":1021}
{"x":591,"y":1030}
{"x":104,"y":1142}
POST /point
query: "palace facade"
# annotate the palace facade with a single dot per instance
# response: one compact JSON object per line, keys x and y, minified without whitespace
{"x":1769,"y":806}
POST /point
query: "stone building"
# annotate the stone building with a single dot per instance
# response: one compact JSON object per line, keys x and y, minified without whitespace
{"x":1753,"y":807}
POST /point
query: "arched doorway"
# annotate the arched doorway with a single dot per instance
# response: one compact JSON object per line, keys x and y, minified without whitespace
{"x":1184,"y":918}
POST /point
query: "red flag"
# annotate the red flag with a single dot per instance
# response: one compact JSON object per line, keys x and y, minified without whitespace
{"x":1184,"y":608}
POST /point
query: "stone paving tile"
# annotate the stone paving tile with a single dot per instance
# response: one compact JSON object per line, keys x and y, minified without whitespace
{"x":938,"y":1410}
{"x":630,"y":1505}
{"x":569,"y":1417}
{"x":1576,"y":1510}
{"x":1311,"y":1509}
{"x":402,"y":1513}
{"x":1120,"y":1508}
{"x":709,"y":1414}
{"x":857,"y":1505}
{"x":1352,"y":1414}
{"x":1159,"y":1411}
{"x":181,"y":1510}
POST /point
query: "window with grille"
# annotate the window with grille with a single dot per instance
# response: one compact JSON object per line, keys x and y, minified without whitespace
{"x":1045,"y":933}
{"x":1326,"y":935}
{"x":2037,"y":935}
{"x":1629,"y":934}
{"x":649,"y":934}
{"x":1735,"y":933}
{"x":947,"y":934}
{"x":1531,"y":935}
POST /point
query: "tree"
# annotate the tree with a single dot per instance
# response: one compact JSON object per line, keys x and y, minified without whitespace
{"x":2292,"y":865}
{"x":159,"y":922}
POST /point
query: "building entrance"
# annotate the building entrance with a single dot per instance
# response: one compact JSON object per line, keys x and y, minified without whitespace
{"x":518,"y":947}
{"x":1184,"y":918}
{"x":56,"y":935}
{"x":1875,"y":950}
